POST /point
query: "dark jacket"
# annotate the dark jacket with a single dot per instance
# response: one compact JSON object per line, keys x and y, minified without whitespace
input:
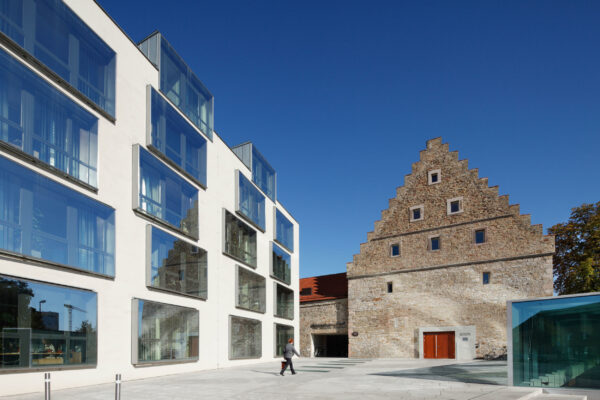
{"x":289,"y":351}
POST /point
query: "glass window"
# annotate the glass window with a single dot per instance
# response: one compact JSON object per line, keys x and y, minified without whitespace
{"x":45,"y":326}
{"x":240,"y":240}
{"x":454,"y":206}
{"x":390,"y":287}
{"x":480,"y":236}
{"x":434,"y":243}
{"x":176,"y":140}
{"x":177,"y":265}
{"x":284,"y":302}
{"x":166,"y":195}
{"x":281,"y":267}
{"x":434,"y":177}
{"x":416,"y":213}
{"x":251,"y":202}
{"x":284,"y":231}
{"x":184,"y":89}
{"x":305,"y":291}
{"x":556,"y":342}
{"x":250,"y":294}
{"x":164,"y":332}
{"x":245,"y":338}
{"x":43,"y":219}
{"x":486,"y":278}
{"x":42,"y":122}
{"x":395,"y":250}
{"x":263,"y":174}
{"x":283,"y":333}
{"x":57,"y":37}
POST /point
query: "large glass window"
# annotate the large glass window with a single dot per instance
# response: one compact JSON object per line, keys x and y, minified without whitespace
{"x":57,"y":37}
{"x":283,"y":333}
{"x":43,"y":219}
{"x":284,"y":302}
{"x":284,"y":231}
{"x":240,"y":240}
{"x":45,"y":124}
{"x":263,"y":174}
{"x":250,"y":293}
{"x":177,"y":265}
{"x":281,"y":264}
{"x":556,"y":342}
{"x":164,"y":332}
{"x":184,"y":89}
{"x":176,"y":140}
{"x":45,"y":326}
{"x":166,"y":195}
{"x":251,"y":202}
{"x":245,"y":338}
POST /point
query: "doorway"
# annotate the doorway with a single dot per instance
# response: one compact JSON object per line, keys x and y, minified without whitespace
{"x":438,"y":345}
{"x":330,"y":345}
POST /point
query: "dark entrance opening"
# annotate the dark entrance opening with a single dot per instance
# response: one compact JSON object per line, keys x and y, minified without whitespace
{"x":331,"y":345}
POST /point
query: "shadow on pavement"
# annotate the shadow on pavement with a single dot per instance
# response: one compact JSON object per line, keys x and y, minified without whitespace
{"x":486,"y":372}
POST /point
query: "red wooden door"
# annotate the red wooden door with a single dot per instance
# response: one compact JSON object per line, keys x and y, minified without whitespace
{"x":438,"y":345}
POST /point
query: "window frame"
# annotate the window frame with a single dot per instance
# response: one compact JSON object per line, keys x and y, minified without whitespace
{"x":430,"y":242}
{"x":485,"y":236}
{"x":263,"y":309}
{"x":271,"y":263}
{"x":275,"y":325}
{"x":396,"y":244}
{"x":430,"y":176}
{"x":276,"y":303}
{"x":460,"y":205}
{"x":238,"y":197}
{"x":135,"y":334}
{"x":224,"y":243}
{"x":485,"y":274}
{"x":421,"y":208}
{"x":230,"y":345}
{"x":275,"y":212}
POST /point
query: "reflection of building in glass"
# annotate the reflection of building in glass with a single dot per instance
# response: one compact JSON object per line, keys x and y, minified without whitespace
{"x":200,"y":235}
{"x":555,"y":342}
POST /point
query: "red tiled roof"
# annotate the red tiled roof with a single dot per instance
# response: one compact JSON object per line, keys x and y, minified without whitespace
{"x":325,"y":287}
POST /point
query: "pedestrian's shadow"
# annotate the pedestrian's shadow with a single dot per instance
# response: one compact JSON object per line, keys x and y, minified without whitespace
{"x":267,"y":373}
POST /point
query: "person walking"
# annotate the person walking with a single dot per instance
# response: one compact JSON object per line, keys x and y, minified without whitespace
{"x":288,"y":353}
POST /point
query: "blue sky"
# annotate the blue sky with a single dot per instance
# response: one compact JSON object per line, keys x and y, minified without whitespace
{"x":340,"y":97}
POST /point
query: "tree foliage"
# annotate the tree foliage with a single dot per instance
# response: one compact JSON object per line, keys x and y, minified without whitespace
{"x":577,"y":257}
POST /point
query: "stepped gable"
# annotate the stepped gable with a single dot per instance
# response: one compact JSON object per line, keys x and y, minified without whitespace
{"x":510,"y":234}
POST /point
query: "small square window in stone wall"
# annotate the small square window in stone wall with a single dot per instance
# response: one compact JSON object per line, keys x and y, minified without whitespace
{"x":434,"y":243}
{"x":434,"y":177}
{"x":486,"y":278}
{"x":455,"y":206}
{"x":390,"y":287}
{"x":395,"y":250}
{"x":480,"y":236}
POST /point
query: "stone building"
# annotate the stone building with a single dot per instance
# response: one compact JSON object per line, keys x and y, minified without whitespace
{"x":434,"y":276}
{"x":324,"y":316}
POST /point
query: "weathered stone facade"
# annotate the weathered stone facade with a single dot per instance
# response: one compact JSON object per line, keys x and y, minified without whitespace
{"x":444,"y":287}
{"x":326,"y":317}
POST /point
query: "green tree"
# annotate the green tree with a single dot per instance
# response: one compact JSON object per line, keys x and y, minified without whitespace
{"x":577,"y":257}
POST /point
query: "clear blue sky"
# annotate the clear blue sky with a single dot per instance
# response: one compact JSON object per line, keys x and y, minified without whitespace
{"x":340,"y":97}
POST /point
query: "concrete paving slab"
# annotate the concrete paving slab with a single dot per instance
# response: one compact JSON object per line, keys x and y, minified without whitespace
{"x":369,"y":380}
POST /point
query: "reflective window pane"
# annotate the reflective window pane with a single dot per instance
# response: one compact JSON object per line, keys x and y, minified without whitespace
{"x":240,"y":240}
{"x":184,"y":89}
{"x":480,"y":236}
{"x":46,"y":326}
{"x":284,"y":302}
{"x":251,"y":201}
{"x":250,"y":293}
{"x":283,"y":333}
{"x":166,"y":195}
{"x":56,"y":36}
{"x":43,"y":123}
{"x":263,"y":174}
{"x":176,"y":139}
{"x":556,"y":342}
{"x":245,"y":338}
{"x":281,"y":264}
{"x":165,"y":332}
{"x":177,"y":265}
{"x":43,"y":219}
{"x":284,"y":231}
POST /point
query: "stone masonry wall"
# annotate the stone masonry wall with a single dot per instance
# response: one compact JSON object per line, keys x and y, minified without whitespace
{"x":387,"y":323}
{"x":322,"y":317}
{"x":444,"y":287}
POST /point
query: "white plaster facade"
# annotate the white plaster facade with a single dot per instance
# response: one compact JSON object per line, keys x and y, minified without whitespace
{"x":115,"y":141}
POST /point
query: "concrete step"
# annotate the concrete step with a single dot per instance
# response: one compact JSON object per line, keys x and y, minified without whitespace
{"x":512,"y":393}
{"x":551,"y":396}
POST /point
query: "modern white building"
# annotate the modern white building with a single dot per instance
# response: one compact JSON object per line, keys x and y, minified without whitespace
{"x":133,"y":240}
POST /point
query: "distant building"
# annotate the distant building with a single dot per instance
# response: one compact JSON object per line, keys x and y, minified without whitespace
{"x":324,"y":316}
{"x":434,"y":276}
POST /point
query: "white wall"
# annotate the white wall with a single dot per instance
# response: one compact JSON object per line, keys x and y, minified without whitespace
{"x":133,"y":73}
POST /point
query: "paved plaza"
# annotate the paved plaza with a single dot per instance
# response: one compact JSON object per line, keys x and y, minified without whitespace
{"x":324,"y":379}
